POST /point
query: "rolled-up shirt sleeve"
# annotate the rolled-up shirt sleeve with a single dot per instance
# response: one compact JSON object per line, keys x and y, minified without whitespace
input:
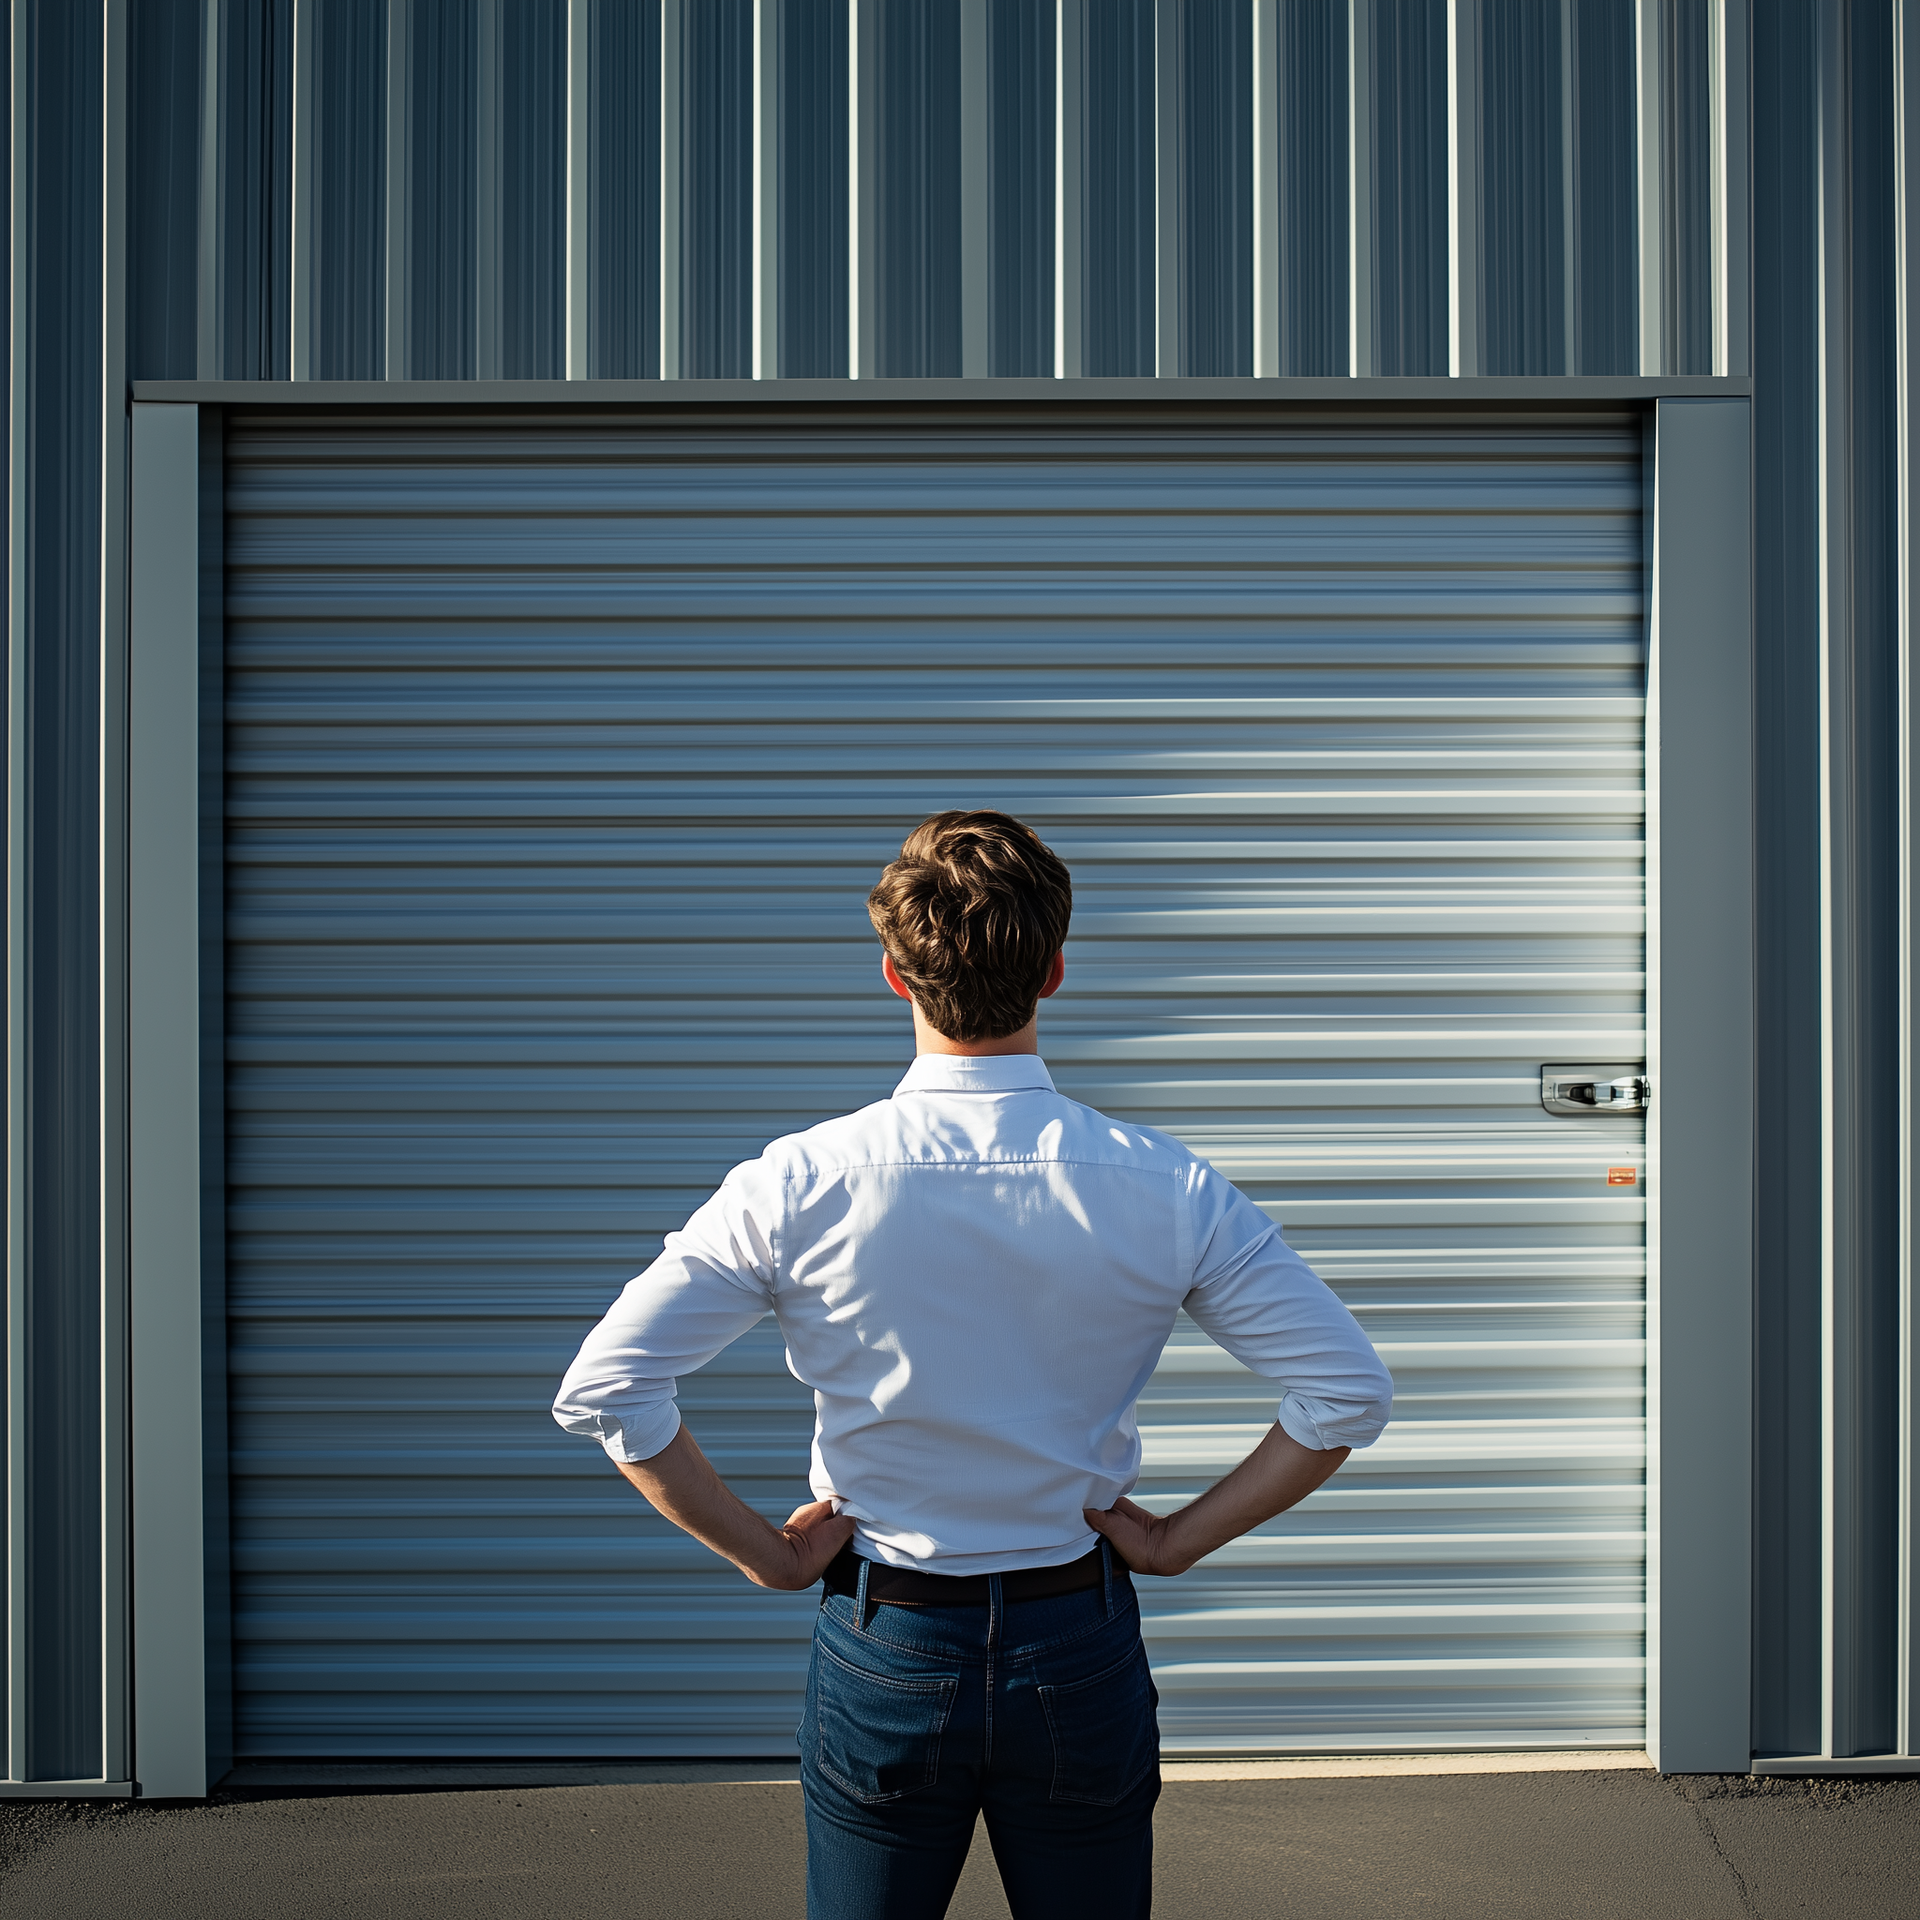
{"x":712,"y":1281}
{"x":1258,"y":1299}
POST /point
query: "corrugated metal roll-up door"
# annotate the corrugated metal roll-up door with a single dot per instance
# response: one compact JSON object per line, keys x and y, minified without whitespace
{"x":563,"y":753}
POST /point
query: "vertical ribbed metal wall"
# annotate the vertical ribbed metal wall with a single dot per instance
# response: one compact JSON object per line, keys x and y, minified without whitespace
{"x":1834,"y":197}
{"x":613,"y":189}
{"x":1836,"y":1473}
{"x":1600,"y":135}
{"x":274,"y":189}
{"x":65,"y":1442}
{"x":724,"y":189}
{"x":1310,"y":196}
{"x":807,"y":78}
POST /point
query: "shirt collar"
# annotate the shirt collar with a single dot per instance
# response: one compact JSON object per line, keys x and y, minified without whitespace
{"x":976,"y":1073}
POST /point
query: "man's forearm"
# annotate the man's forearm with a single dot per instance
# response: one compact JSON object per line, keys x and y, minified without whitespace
{"x":681,"y":1483}
{"x":1279,"y":1473}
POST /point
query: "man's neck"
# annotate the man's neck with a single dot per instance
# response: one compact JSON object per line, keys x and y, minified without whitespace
{"x":927,"y":1039}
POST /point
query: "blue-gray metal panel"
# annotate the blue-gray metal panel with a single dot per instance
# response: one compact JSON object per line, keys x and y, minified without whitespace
{"x":1605,"y":239}
{"x":1523,"y":240}
{"x":1020,"y":161}
{"x":507,"y":175}
{"x":623,"y":190}
{"x":245,"y":331}
{"x":917,"y":189}
{"x":1686,"y":235}
{"x":1410,"y":245}
{"x":212,"y":1014}
{"x":716,"y":178}
{"x":163,"y":185}
{"x":176,"y":1194}
{"x":1701,"y":1057}
{"x":1215,"y":40}
{"x":1312,"y":87}
{"x":348,"y":269}
{"x":561,"y":756}
{"x":57,"y":1332}
{"x":813,"y":189}
{"x":252,"y":256}
{"x":1787,"y":1236}
{"x":1861,"y":960}
{"x":533,"y":176}
{"x":1117,"y":171}
{"x":442,"y":179}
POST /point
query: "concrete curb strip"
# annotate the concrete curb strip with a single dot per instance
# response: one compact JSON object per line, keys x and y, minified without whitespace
{"x":482,"y":1773}
{"x":1397,"y":1765}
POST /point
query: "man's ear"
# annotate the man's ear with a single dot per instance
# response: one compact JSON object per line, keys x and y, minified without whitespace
{"x":1055,"y":974}
{"x":892,"y":976}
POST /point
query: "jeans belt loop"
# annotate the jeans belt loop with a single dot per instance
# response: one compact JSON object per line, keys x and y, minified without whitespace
{"x":1106,"y":1574}
{"x":860,"y":1596}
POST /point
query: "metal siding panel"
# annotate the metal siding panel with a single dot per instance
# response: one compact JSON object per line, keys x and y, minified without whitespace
{"x":1216,"y":186}
{"x":814,"y":147}
{"x":533,"y":176}
{"x":1787,"y":1552}
{"x":348,"y":270}
{"x":176,"y":1379}
{"x":1313,"y":186}
{"x":1410,"y":264}
{"x":1907,"y":227}
{"x":163,"y":186}
{"x":1020,"y":162}
{"x":441,"y":133}
{"x":917,"y":190}
{"x":1862,"y":686}
{"x":537,"y":732}
{"x":110,"y":374}
{"x":1606,"y":248}
{"x":623,"y":326}
{"x":975,"y":127}
{"x":251,"y":266}
{"x":57,"y":1334}
{"x":716,"y":227}
{"x":214,"y":1468}
{"x":1686,"y":208}
{"x":1117,"y":185}
{"x":1522,"y":225}
{"x":246,"y":269}
{"x":1701,"y":1056}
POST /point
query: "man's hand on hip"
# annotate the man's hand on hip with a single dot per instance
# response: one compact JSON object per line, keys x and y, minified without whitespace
{"x":680,"y":1481}
{"x":814,"y":1534}
{"x":1276,"y":1475}
{"x":1139,"y":1537}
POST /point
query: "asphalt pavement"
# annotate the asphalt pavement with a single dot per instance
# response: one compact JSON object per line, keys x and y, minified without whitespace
{"x":1625,"y":1845}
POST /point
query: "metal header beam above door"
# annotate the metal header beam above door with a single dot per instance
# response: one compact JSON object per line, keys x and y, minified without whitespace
{"x":1550,"y":390}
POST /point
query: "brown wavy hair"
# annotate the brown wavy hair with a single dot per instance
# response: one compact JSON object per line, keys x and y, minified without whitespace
{"x":972,"y":913}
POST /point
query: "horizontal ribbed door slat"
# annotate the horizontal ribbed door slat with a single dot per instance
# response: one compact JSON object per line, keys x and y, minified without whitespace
{"x":561,"y":756}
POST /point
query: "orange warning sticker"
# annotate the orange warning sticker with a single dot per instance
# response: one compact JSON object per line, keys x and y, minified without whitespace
{"x":1622,"y":1176}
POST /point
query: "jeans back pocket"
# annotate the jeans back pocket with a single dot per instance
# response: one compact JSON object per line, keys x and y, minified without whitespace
{"x":877,"y":1735}
{"x":1105,"y":1736}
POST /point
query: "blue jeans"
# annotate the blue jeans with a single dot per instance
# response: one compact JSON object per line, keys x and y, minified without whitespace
{"x":1039,"y":1714}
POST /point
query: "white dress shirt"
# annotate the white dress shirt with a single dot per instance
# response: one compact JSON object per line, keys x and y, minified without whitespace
{"x":976,"y":1278}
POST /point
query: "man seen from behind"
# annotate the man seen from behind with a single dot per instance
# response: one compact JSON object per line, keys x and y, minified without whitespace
{"x":976,"y":1278}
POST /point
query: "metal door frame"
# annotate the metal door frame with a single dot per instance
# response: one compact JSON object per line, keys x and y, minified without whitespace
{"x":1700,"y":1001}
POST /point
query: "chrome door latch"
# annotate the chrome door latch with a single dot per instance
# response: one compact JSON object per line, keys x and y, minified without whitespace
{"x":1618,"y":1088}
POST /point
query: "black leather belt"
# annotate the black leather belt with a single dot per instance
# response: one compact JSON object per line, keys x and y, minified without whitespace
{"x":903,"y":1587}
